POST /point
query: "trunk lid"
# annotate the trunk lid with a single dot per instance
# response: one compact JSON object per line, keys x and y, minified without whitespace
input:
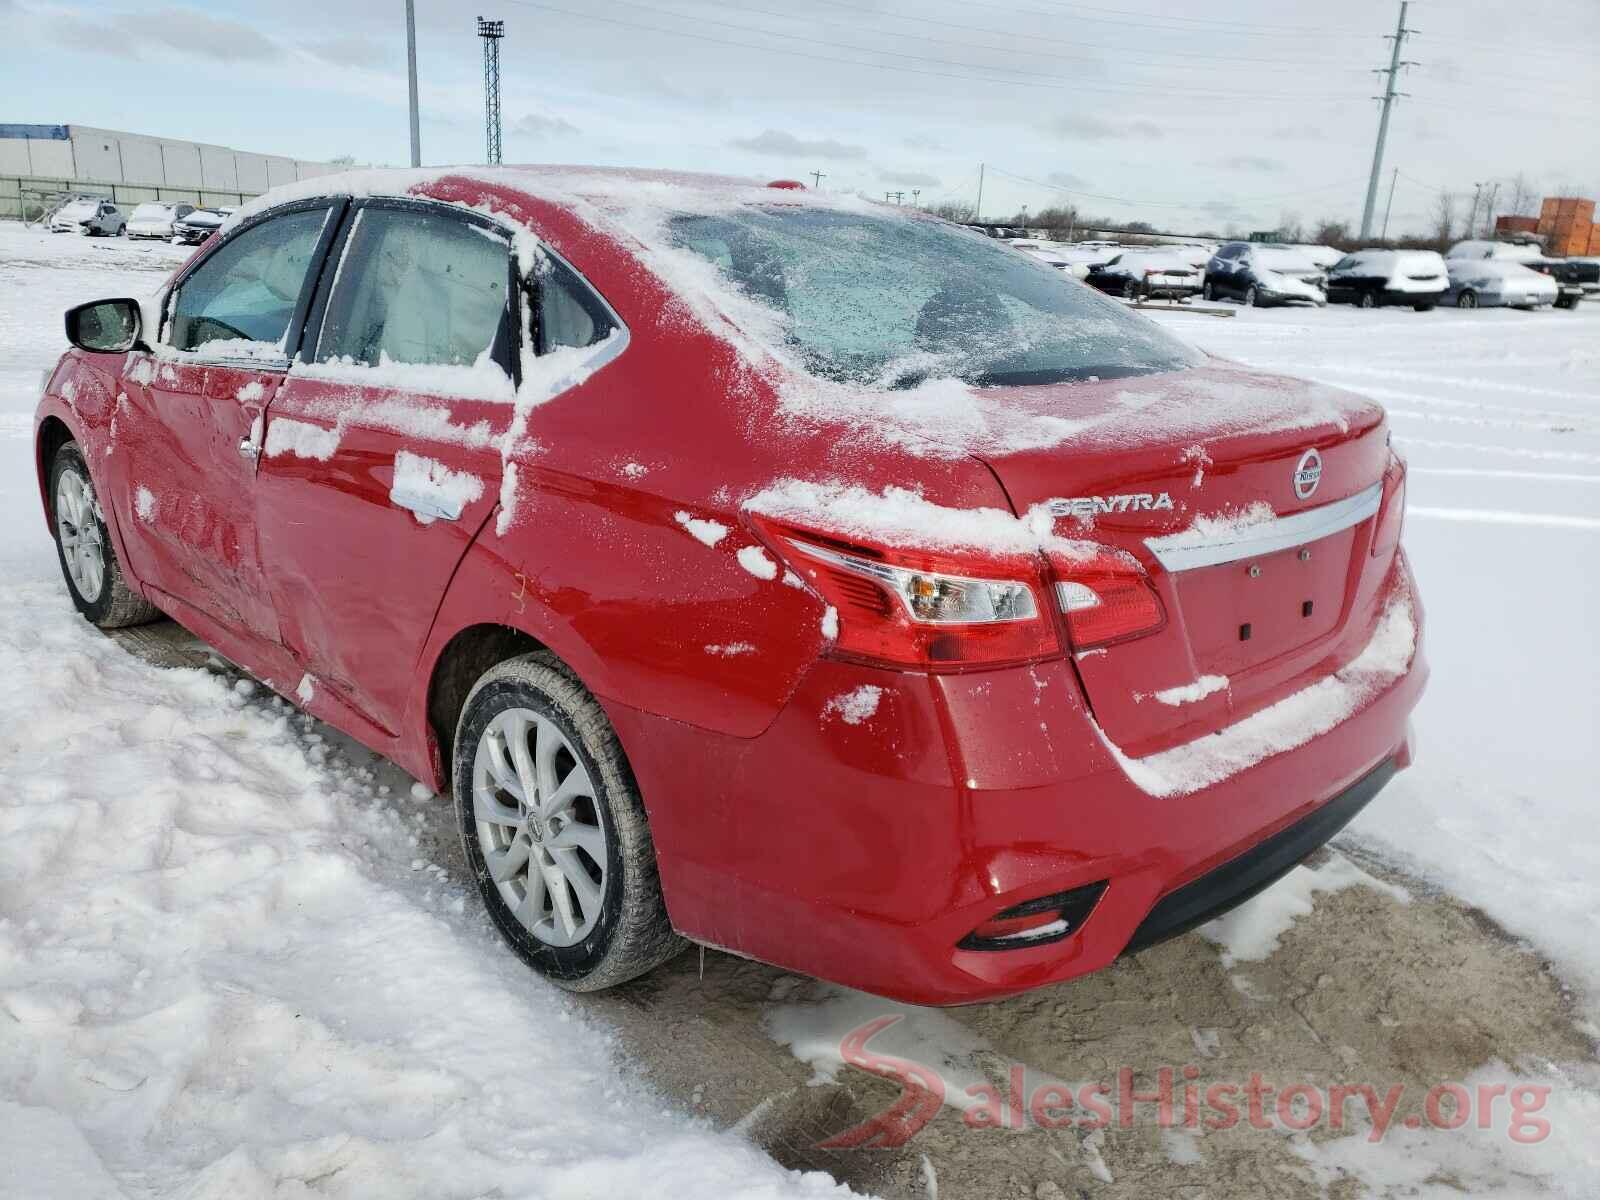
{"x":1205,"y":476}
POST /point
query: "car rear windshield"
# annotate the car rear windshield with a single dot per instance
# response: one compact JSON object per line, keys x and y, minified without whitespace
{"x":79,"y":209}
{"x":151,"y":212}
{"x":891,"y":301}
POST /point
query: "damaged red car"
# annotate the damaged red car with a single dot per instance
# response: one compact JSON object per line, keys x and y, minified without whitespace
{"x":784,"y":573}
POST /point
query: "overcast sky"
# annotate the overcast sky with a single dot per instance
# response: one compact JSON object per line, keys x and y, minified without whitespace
{"x":1228,"y":113}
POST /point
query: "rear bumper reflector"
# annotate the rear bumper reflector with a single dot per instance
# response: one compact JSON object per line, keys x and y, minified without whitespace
{"x":1035,"y":922}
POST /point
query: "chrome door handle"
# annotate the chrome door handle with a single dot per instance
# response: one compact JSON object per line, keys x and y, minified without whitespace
{"x":249,"y":448}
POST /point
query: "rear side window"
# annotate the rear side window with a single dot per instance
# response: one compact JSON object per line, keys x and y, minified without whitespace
{"x":569,"y":313}
{"x":248,"y":289}
{"x":417,"y":287}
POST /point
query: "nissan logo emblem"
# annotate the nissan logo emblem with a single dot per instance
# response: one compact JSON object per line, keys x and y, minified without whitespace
{"x":1307,"y":474}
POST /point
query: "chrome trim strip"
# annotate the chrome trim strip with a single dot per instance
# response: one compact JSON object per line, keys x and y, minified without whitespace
{"x":1186,"y":551}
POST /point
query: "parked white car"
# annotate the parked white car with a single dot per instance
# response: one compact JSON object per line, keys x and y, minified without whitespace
{"x":89,"y":217}
{"x":1496,"y":282}
{"x":156,"y":220}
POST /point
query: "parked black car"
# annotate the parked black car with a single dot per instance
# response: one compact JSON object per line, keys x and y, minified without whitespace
{"x":1370,"y":278}
{"x":1264,"y":273}
{"x":1142,"y":274}
{"x":1570,"y":276}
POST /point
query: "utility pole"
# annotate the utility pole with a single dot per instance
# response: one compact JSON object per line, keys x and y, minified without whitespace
{"x":977,"y":213}
{"x":1389,"y":207}
{"x":1472,"y":217}
{"x":1389,"y":95}
{"x":916,"y":197}
{"x":1489,"y":201}
{"x":411,"y":75}
{"x":491,"y":32}
{"x":816,"y":178}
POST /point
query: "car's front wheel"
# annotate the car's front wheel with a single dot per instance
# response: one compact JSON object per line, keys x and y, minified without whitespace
{"x":1209,"y":291}
{"x":1368,"y":300}
{"x":1251,"y":296}
{"x":1467,"y":299}
{"x":83,"y":544}
{"x":555,"y":830}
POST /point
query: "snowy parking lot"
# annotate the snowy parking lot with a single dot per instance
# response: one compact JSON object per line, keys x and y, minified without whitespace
{"x":239,"y":956}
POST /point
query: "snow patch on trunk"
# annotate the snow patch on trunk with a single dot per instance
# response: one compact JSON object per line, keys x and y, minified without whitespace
{"x":1291,"y":722}
{"x":144,"y":504}
{"x":1192,"y":693}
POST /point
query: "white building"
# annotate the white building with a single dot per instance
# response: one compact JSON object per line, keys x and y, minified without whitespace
{"x":131,"y":167}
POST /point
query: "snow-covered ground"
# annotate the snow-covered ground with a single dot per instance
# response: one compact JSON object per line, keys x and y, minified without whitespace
{"x":1498,"y":414}
{"x":226,"y":970}
{"x":224,"y":973}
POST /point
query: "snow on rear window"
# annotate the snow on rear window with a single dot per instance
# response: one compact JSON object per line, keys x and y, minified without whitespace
{"x":1282,"y":258}
{"x":888,"y":301}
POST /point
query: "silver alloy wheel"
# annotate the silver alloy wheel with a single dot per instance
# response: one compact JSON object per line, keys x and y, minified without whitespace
{"x":78,"y":527}
{"x":539,"y":826}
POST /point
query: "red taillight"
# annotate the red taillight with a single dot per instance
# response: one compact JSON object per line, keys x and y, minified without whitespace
{"x":1391,"y":517}
{"x":1106,"y":597}
{"x":933,"y":611}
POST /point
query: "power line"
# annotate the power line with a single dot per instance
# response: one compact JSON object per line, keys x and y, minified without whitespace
{"x":1063,"y":86}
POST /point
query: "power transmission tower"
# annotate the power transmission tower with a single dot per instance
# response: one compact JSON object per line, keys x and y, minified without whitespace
{"x":816,"y":178}
{"x":491,"y":32}
{"x":1389,"y":207}
{"x":1389,"y":95}
{"x":411,"y":77}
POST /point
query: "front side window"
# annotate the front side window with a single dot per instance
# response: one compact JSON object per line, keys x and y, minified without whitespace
{"x":248,"y":289}
{"x":417,"y":287}
{"x":889,"y":301}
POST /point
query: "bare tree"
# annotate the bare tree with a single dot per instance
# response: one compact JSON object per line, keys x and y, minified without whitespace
{"x":1332,"y":232}
{"x":1522,"y":196}
{"x":953,"y":210}
{"x":1289,"y":227}
{"x":1444,"y":219}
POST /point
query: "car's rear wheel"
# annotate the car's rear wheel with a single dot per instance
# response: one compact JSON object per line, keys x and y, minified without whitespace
{"x":1467,"y":299}
{"x":1428,"y":307}
{"x":1209,"y":291}
{"x":555,"y":830}
{"x":1129,"y":290}
{"x":1251,"y":296}
{"x":1368,"y":300}
{"x":83,"y":544}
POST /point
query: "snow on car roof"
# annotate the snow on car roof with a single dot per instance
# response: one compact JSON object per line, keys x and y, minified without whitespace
{"x":939,"y":417}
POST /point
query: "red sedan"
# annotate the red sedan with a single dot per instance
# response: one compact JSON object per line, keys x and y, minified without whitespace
{"x":783,"y":573}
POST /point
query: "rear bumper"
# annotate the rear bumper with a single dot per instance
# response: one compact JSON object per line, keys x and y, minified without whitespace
{"x":864,"y":854}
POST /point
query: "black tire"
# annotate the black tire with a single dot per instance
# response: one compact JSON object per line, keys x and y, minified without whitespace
{"x":1251,"y":296}
{"x":1368,"y":300}
{"x":1209,"y":291}
{"x":116,"y":605}
{"x":1422,"y":307}
{"x":632,"y":934}
{"x":1467,"y":299}
{"x":1130,"y":290}
{"x":1566,"y":302}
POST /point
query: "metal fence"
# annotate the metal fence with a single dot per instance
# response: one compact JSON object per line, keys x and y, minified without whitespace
{"x":30,"y":197}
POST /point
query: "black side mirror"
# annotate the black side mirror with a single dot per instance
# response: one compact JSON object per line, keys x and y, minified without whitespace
{"x":104,"y":326}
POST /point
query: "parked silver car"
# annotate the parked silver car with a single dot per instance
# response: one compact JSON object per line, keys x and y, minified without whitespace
{"x":1496,"y":282}
{"x":89,"y":216}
